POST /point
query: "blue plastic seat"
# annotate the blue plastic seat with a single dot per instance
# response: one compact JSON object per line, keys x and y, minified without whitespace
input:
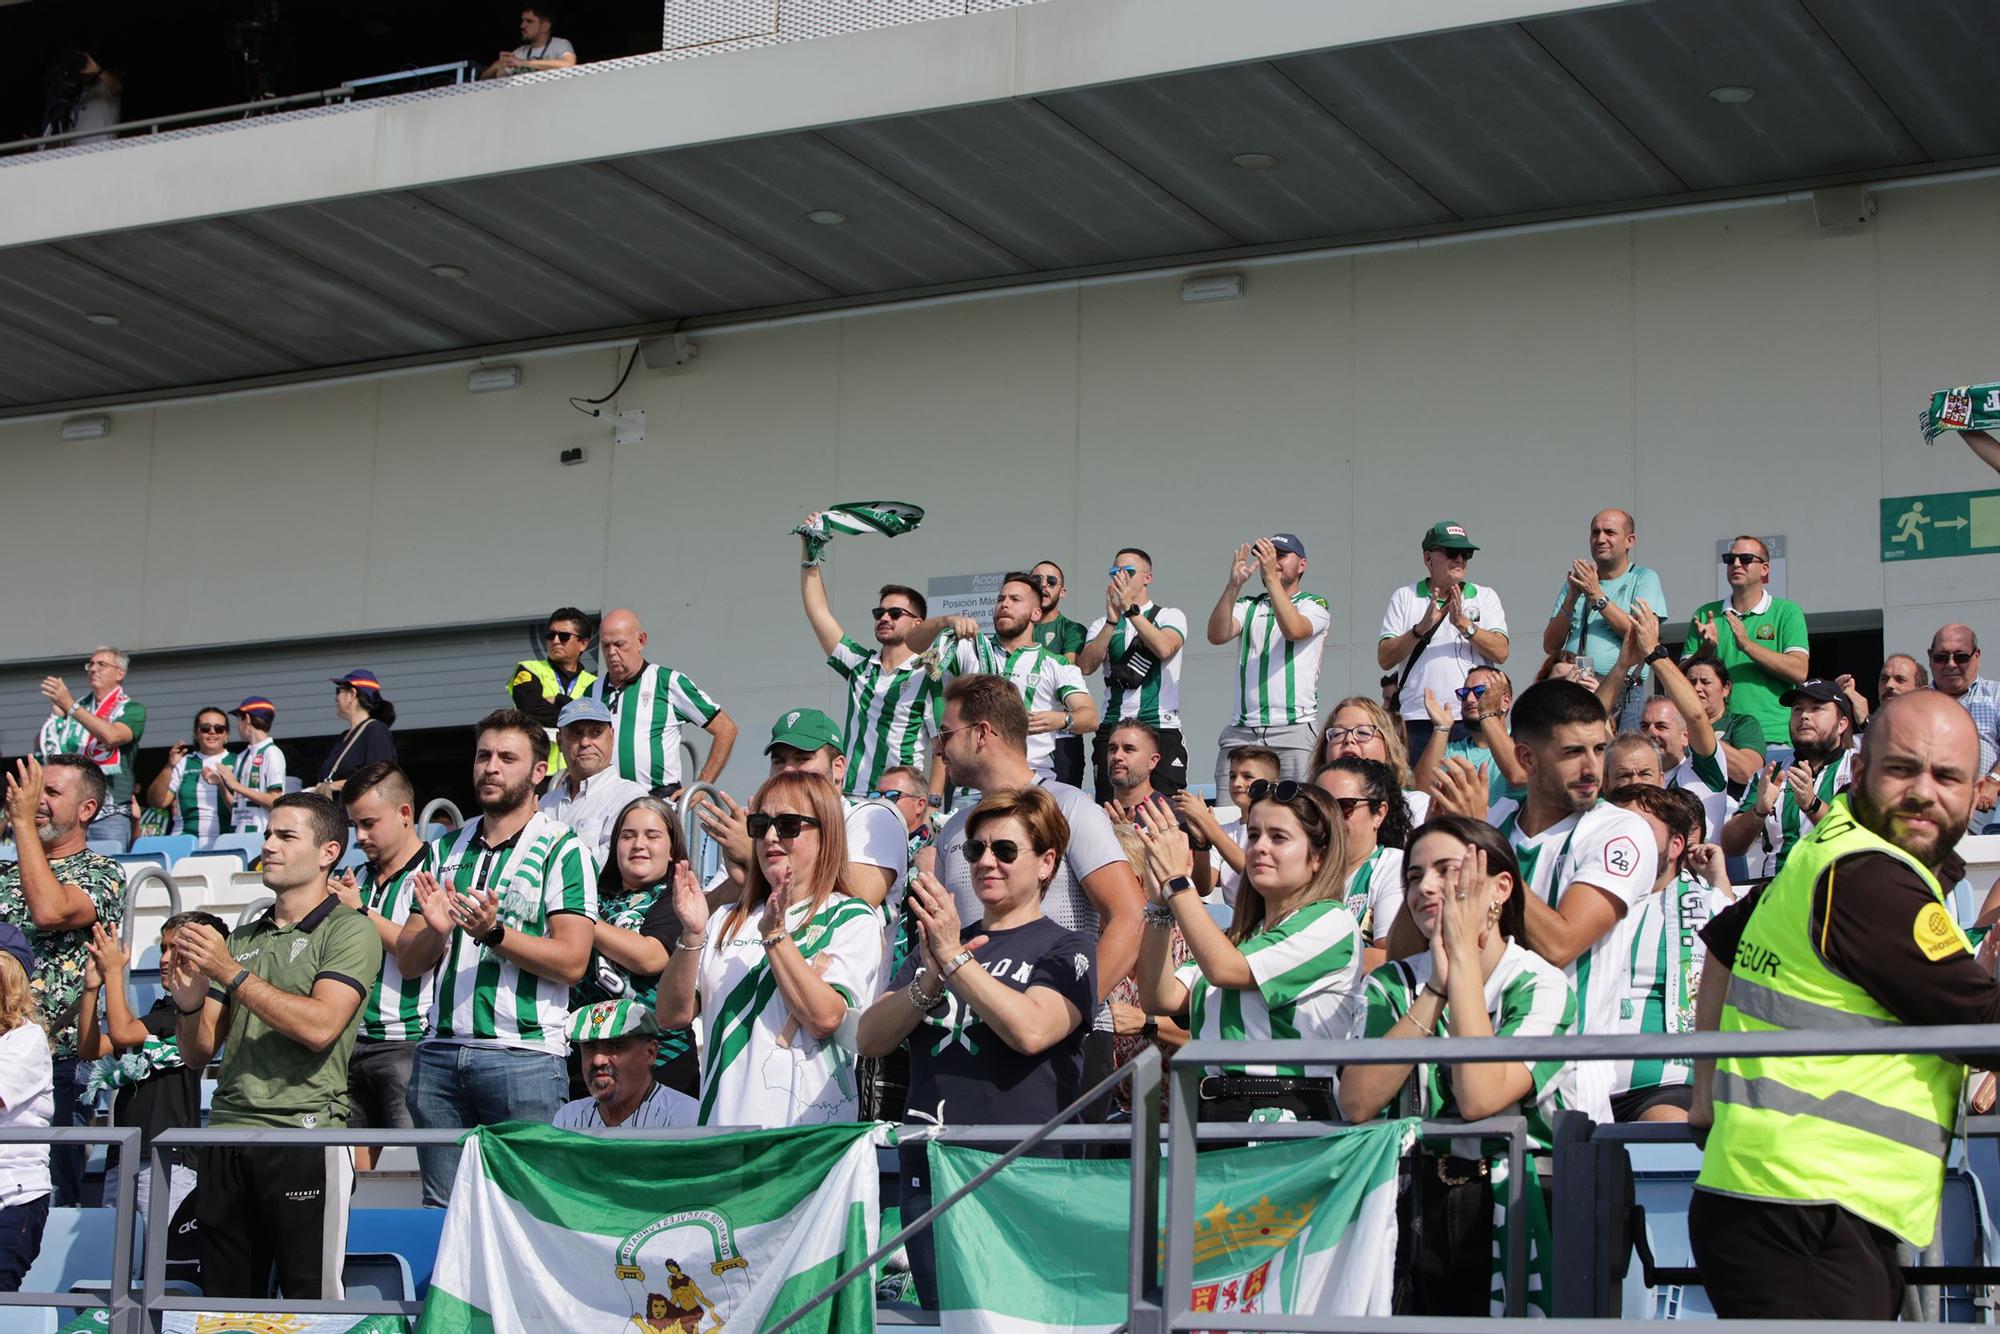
{"x":170,"y":848}
{"x":248,"y":846}
{"x":76,"y":1246}
{"x":409,"y":1234}
{"x":351,"y":860}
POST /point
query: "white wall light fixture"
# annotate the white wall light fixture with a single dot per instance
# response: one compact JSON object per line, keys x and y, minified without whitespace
{"x":1204,"y":287}
{"x":86,"y":428}
{"x":493,"y":379}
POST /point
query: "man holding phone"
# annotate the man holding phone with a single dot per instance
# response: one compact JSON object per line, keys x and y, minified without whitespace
{"x":1761,"y":639}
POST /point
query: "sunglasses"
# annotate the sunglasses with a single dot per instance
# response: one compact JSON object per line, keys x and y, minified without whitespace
{"x":1470,"y":692}
{"x":1348,"y":804}
{"x":1285,"y":791}
{"x":893,"y":613}
{"x":1955,"y":659}
{"x":1117,"y":570}
{"x":1049,"y":580}
{"x":1360,"y":732}
{"x":787,"y":825}
{"x":560,"y":636}
{"x":213,"y":728}
{"x":1005,"y":850}
{"x":1741,"y":558}
{"x":891,"y":794}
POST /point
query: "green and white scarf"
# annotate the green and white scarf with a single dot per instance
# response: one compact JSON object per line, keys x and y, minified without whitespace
{"x":152,"y":1057}
{"x":1970,"y":407}
{"x":891,"y":518}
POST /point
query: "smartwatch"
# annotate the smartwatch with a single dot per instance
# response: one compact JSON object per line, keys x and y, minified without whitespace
{"x":1659,"y":651}
{"x":234,"y":983}
{"x":491,"y":940}
{"x":1176,"y":885}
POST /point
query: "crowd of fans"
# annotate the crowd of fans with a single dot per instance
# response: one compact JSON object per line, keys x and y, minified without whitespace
{"x":1444,"y":857}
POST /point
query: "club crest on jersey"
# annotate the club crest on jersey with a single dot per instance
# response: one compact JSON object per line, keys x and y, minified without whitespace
{"x":1081,"y":963}
{"x":298,"y":948}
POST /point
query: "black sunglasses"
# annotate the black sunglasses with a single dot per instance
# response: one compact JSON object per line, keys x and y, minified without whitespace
{"x":1347,"y":804}
{"x":1471,"y":692}
{"x":1741,"y":558}
{"x":560,"y":636}
{"x":1285,"y":790}
{"x":1005,"y":850}
{"x":1955,"y":659}
{"x":1046,"y":580}
{"x":893,"y":613}
{"x":787,"y":825}
{"x":211,"y":727}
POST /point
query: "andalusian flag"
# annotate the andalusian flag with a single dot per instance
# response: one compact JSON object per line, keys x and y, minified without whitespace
{"x":188,"y":1322}
{"x":551,"y":1230}
{"x":1289,"y":1227}
{"x":891,"y":518}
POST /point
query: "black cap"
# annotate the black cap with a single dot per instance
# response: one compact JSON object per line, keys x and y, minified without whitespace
{"x":1819,"y":691}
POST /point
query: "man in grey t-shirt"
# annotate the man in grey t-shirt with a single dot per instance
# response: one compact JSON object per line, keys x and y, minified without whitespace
{"x":540,"y":48}
{"x":984,"y":745}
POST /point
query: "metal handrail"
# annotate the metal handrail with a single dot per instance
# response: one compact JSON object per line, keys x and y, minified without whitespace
{"x":436,"y":804}
{"x":153,"y":124}
{"x":1189,"y":1064}
{"x":690,"y":818}
{"x":126,"y":1316}
{"x":132,"y":884}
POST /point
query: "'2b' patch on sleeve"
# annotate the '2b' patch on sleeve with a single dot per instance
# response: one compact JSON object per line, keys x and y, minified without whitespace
{"x":1935,"y":933}
{"x":1621,"y":856}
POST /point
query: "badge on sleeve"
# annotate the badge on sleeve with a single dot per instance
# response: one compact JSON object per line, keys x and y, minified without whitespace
{"x":1935,"y":933}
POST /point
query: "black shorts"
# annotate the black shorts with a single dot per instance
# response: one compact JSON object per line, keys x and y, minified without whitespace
{"x":1634,"y":1103}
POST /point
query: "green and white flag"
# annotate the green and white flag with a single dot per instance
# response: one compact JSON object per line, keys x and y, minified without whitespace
{"x":551,"y":1230}
{"x":189,"y":1322}
{"x":1969,"y":407}
{"x":1286,"y":1228}
{"x":891,"y":518}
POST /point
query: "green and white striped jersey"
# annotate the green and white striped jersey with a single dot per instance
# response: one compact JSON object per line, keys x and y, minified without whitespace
{"x":398,"y":1007}
{"x":759,"y":1066}
{"x":1277,"y":679}
{"x":1525,"y":997}
{"x":1157,"y":702}
{"x":1375,"y":892}
{"x":199,"y":807}
{"x":1667,"y":955}
{"x":1787,"y":824}
{"x":1308,"y":974}
{"x":261,"y":768}
{"x":540,"y":872}
{"x":1704,"y":776}
{"x":891,"y":712}
{"x":649,"y":711}
{"x":1614,"y":851}
{"x":1046,"y":681}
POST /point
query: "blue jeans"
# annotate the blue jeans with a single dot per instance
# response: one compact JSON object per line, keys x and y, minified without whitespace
{"x":21,"y":1240}
{"x":70,"y":1109}
{"x":465,"y":1084}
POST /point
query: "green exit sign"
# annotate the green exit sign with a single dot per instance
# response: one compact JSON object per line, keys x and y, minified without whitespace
{"x":1950,"y":523}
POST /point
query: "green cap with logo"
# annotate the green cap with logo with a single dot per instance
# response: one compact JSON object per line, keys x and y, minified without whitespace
{"x":1447,"y":536}
{"x":804,"y":729}
{"x":612,"y":1019}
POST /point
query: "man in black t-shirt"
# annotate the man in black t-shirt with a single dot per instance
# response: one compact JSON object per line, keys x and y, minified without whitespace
{"x":1063,"y":637}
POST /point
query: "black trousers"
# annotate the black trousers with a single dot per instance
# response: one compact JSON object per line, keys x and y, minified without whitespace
{"x":1069,"y":760}
{"x":1169,"y":775}
{"x":259,"y":1208}
{"x":1761,"y":1260}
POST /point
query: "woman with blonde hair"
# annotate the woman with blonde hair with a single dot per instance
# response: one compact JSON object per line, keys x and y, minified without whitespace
{"x":27,"y":1098}
{"x":776,"y":977}
{"x":1361,"y":727}
{"x":1289,"y":964}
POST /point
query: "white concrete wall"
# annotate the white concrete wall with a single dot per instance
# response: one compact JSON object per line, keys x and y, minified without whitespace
{"x":1721,"y":373}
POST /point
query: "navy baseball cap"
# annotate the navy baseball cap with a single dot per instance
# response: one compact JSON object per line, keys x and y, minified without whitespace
{"x":1289,"y":542}
{"x":14,"y":941}
{"x":360,"y":680}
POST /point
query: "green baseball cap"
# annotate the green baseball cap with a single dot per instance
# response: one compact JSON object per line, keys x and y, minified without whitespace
{"x":612,"y":1019}
{"x":804,"y":729}
{"x":1447,"y":536}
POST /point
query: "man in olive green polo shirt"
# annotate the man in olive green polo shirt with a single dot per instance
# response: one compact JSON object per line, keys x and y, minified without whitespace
{"x":1761,"y":639}
{"x":285,"y":990}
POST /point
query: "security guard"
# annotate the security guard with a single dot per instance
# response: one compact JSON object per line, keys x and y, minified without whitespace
{"x":1818,"y":1165}
{"x":541,"y":686}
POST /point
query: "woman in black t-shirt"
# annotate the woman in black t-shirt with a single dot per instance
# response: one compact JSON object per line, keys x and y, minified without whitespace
{"x":357,"y":698}
{"x":995,"y":1013}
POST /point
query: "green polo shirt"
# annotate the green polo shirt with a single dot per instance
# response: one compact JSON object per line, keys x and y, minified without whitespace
{"x":1744,"y":732}
{"x":1061,"y":636}
{"x":1777,"y":624}
{"x":267,"y":1079}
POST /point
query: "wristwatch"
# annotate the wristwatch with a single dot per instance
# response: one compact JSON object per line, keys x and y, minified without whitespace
{"x":1600,"y":602}
{"x":491,"y":940}
{"x":1150,"y":1029}
{"x":1659,"y":651}
{"x":235,"y":982}
{"x":1129,"y":613}
{"x":1176,"y":885}
{"x":956,"y":962}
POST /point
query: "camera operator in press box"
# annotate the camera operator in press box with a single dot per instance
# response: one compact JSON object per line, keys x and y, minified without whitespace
{"x":1138,"y":644}
{"x":80,"y":94}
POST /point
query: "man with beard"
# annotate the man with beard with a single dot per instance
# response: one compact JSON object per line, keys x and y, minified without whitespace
{"x":1782,"y":807}
{"x":1818,"y":1165}
{"x":892,"y":702}
{"x":54,"y":893}
{"x":616,"y":1045}
{"x":507,"y":920}
{"x":1065,"y":638}
{"x":1051,"y":686}
{"x":1131,"y":756}
{"x":1586,"y":862}
{"x":1137,"y":643}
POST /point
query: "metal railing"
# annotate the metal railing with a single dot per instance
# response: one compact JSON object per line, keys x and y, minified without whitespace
{"x":125,"y":1314}
{"x":154,"y":124}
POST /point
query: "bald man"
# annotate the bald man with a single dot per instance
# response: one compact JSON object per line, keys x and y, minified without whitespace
{"x":1954,"y":659}
{"x":1855,"y":934}
{"x":650,"y":702}
{"x":1594,"y":609}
